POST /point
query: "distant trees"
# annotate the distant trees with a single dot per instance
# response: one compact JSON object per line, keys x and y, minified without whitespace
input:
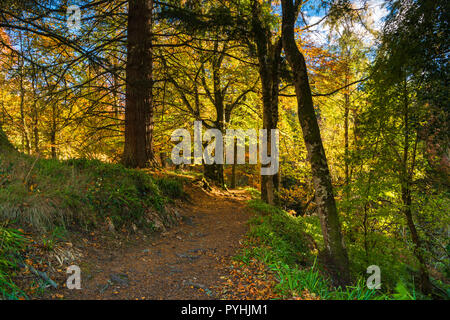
{"x":210,"y":84}
{"x":64,"y":75}
{"x":54,"y":57}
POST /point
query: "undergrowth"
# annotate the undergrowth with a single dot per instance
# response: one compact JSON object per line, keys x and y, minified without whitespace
{"x":11,"y":242}
{"x":287,"y":245}
{"x":45,"y":193}
{"x":53,"y":197}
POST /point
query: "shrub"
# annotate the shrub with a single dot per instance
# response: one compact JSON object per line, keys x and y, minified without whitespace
{"x":282,"y":242}
{"x":171,"y":188}
{"x":11,"y":242}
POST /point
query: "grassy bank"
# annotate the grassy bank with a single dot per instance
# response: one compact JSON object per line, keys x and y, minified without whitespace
{"x":46,"y":196}
{"x":44,"y":193}
{"x":289,"y":246}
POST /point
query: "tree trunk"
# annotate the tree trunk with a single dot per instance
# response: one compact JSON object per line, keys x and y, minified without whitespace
{"x":331,"y":228}
{"x":233,"y":170}
{"x":138,"y":150}
{"x":406,"y":180}
{"x":53,"y":143}
{"x":269,"y":58}
{"x":35,"y":113}
{"x":26,"y":147}
{"x":425,"y":283}
{"x":25,"y":135}
{"x":214,"y":172}
{"x":346,"y":138}
{"x":163,"y":156}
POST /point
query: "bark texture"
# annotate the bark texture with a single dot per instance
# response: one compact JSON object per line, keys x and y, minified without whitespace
{"x":326,"y":205}
{"x":269,"y":58}
{"x":138,"y":150}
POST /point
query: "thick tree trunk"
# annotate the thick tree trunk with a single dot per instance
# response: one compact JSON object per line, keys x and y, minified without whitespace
{"x":331,"y":228}
{"x":269,"y":58}
{"x":138,"y":150}
{"x":214,"y":172}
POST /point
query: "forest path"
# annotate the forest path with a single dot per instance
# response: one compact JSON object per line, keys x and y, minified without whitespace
{"x":185,"y":262}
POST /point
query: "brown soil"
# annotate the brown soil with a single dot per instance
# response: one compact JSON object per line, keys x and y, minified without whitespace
{"x":188,"y":261}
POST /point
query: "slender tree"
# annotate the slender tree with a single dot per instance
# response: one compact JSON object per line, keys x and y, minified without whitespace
{"x":311,"y":133}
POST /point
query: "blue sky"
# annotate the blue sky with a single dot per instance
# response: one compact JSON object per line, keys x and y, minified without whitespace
{"x":320,"y":32}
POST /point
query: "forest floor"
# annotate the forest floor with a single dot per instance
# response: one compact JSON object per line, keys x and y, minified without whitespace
{"x":193,"y":260}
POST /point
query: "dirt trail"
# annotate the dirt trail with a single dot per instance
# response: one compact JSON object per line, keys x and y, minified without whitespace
{"x":185,"y":262}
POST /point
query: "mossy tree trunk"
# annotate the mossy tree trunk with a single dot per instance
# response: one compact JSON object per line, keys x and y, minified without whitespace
{"x":326,"y":204}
